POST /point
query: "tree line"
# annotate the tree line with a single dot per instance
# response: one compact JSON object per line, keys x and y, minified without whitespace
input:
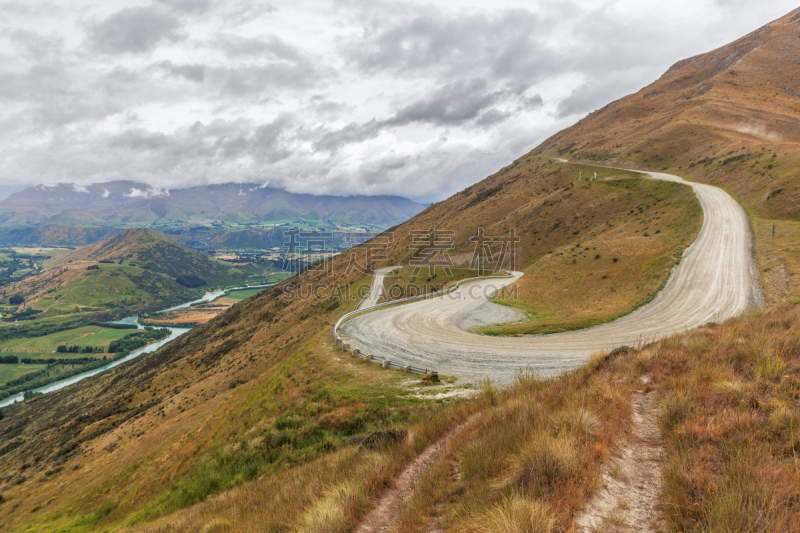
{"x":63,"y":348}
{"x":15,"y":360}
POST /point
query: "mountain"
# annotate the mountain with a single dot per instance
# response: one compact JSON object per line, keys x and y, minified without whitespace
{"x":131,"y":203}
{"x":730,"y":117}
{"x":248,"y":422}
{"x":137,"y":271}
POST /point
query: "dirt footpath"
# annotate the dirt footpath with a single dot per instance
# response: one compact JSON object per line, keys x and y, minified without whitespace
{"x":627,"y":498}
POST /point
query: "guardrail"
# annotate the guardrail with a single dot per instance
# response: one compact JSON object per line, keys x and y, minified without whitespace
{"x":386,"y":363}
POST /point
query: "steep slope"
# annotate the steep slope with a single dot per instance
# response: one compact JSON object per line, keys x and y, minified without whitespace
{"x":131,"y":203}
{"x":730,"y":118}
{"x":240,"y":376}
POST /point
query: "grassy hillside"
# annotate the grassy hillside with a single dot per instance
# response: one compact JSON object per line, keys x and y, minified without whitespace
{"x":591,"y":251}
{"x":729,"y":118}
{"x":135,"y":272}
{"x":251,"y":422}
{"x":215,"y":397}
{"x":155,"y":252}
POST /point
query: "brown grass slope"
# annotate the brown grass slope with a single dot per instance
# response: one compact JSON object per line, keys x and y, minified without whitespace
{"x":202,"y":415}
{"x":730,"y":117}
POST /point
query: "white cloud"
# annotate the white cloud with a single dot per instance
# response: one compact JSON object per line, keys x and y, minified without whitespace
{"x":326,"y":96}
{"x":152,"y":192}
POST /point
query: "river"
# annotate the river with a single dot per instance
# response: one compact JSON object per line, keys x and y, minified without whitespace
{"x":174,"y":334}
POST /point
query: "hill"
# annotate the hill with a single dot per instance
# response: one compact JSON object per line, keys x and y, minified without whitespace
{"x":128,"y":203}
{"x":250,"y":422}
{"x":75,"y":217}
{"x":729,"y":117}
{"x":154,"y":252}
{"x":136,"y":271}
{"x":53,"y":235}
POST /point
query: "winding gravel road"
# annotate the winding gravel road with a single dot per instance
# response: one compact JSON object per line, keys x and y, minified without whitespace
{"x":377,"y":288}
{"x":717,"y":279}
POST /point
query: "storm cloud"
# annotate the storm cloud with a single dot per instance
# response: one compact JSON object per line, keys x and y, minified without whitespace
{"x":343,"y":97}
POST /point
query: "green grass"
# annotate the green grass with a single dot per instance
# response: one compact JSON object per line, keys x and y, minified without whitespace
{"x":403,"y":284}
{"x":85,"y":336}
{"x":273,"y":431}
{"x":11,"y":372}
{"x":241,"y":295}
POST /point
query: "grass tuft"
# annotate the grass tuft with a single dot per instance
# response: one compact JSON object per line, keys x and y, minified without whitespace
{"x":544,"y":462}
{"x":515,"y":514}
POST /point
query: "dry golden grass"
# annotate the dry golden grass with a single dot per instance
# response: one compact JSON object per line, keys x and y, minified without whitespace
{"x":532,"y":457}
{"x":517,"y":514}
{"x":730,"y":420}
{"x":779,"y":259}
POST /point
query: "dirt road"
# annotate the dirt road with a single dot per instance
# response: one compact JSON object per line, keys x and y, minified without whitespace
{"x":716,"y":279}
{"x":376,"y":291}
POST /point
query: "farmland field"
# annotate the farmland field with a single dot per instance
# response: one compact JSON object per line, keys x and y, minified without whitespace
{"x":241,"y":295}
{"x":84,"y":336}
{"x":9,"y":372}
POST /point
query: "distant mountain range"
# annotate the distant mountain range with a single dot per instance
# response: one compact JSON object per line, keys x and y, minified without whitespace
{"x":132,"y":203}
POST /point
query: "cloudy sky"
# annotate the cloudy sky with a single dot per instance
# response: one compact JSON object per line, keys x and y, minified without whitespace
{"x":413,"y":98}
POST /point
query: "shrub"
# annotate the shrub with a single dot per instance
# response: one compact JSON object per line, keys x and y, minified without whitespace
{"x":288,"y":422}
{"x":190,"y":281}
{"x":17,"y":299}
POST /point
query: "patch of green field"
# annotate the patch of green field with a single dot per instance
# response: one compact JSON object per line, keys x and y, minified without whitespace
{"x":85,"y":336}
{"x":241,"y":295}
{"x":11,"y":372}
